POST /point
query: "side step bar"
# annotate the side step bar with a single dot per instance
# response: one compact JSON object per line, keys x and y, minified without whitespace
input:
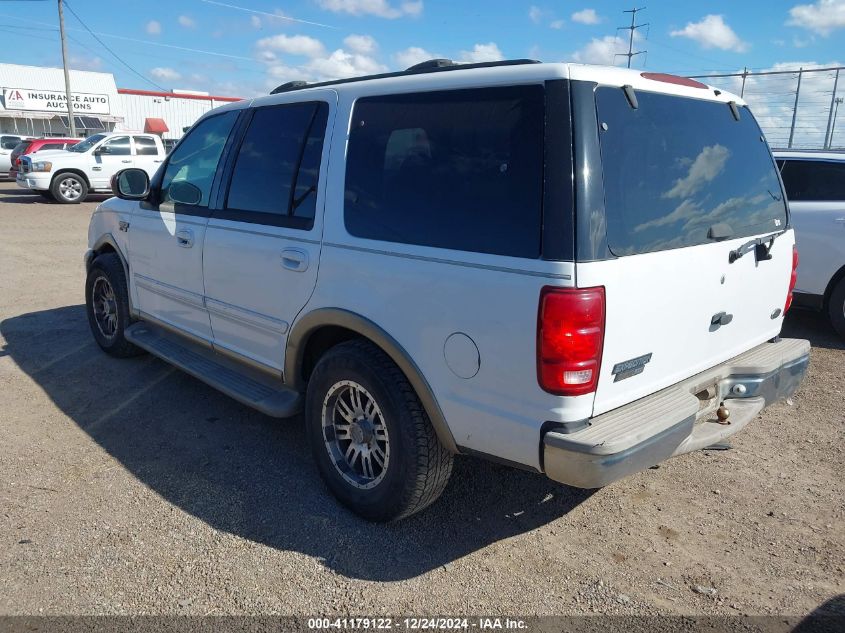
{"x":244,"y":384}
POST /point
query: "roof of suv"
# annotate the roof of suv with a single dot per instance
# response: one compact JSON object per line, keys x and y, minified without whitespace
{"x":447,"y":74}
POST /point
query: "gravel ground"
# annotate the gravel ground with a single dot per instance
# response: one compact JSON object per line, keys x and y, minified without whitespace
{"x":127,"y":487}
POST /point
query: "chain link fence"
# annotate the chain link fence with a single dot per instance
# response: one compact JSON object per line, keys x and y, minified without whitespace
{"x":796,"y":108}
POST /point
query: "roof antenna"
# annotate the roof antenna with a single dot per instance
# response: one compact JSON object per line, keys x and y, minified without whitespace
{"x":634,"y":26}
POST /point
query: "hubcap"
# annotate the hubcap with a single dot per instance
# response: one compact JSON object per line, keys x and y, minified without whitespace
{"x":104,"y":304}
{"x":70,"y":188}
{"x":355,"y":434}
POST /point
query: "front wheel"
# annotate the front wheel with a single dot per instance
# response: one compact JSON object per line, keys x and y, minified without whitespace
{"x":836,"y":308}
{"x":69,"y":188}
{"x":373,"y":443}
{"x":107,"y":305}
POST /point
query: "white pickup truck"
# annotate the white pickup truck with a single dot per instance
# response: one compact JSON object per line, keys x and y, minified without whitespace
{"x":67,"y":176}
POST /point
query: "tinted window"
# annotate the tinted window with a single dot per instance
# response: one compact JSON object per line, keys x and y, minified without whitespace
{"x":460,"y":169}
{"x":145,"y":146}
{"x":9,"y":142}
{"x":52,"y":146}
{"x":277,"y":166}
{"x":194,"y":162}
{"x":674,"y":167}
{"x":813,"y":180}
{"x":21,"y":148}
{"x":118,"y":146}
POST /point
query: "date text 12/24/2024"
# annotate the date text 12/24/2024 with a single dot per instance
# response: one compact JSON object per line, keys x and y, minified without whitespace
{"x":416,"y":624}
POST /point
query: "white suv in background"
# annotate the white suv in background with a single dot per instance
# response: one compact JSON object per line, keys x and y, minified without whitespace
{"x":8,"y":142}
{"x":577,"y":270}
{"x":69,"y":175}
{"x":815,"y":185}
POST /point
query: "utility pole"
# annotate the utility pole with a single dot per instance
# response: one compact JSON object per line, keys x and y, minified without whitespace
{"x":70,"y":122}
{"x":795,"y":107}
{"x":828,"y":138}
{"x":634,"y":26}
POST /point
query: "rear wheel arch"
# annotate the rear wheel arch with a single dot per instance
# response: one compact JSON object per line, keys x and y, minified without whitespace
{"x":838,"y":276}
{"x":320,"y":330}
{"x":104,"y":245}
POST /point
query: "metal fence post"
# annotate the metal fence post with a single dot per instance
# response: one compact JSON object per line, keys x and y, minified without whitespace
{"x":744,"y":75}
{"x":828,"y":136}
{"x":795,"y":108}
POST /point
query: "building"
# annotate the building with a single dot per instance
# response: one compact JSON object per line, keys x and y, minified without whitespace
{"x":33,"y":103}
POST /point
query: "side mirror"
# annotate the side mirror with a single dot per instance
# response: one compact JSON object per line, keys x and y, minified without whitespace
{"x":131,"y":184}
{"x":182,"y":192}
{"x":102,"y":149}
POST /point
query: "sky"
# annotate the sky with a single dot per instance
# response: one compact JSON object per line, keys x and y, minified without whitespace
{"x":247,"y":47}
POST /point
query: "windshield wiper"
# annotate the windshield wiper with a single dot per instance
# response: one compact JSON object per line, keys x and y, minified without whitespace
{"x":762,"y":247}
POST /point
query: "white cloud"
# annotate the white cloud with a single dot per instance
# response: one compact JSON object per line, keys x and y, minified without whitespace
{"x":380,"y":8}
{"x":187,"y":21}
{"x":153,"y":27}
{"x":707,"y":165}
{"x":292,"y":44}
{"x":364,"y":44}
{"x":712,"y":32}
{"x":413,"y":55}
{"x":255,"y":21}
{"x":340,"y":65}
{"x":535,"y":14}
{"x":557,"y":24}
{"x":165,"y":74}
{"x":267,"y":56}
{"x":586,"y":16}
{"x":822,"y":17}
{"x":482,"y":53}
{"x":601,"y":51}
{"x":85,"y":63}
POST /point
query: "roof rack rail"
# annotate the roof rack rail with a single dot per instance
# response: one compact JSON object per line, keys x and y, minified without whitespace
{"x":430,"y":66}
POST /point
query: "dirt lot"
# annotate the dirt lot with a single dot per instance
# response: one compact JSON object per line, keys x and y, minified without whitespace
{"x":128,"y":487}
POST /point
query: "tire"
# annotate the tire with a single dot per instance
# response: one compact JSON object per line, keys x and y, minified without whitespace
{"x":836,"y":307}
{"x":107,"y":306}
{"x":414,"y":467}
{"x":47,"y":195}
{"x":69,"y":188}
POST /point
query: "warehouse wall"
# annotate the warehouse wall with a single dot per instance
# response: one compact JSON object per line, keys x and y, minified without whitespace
{"x":178,"y":112}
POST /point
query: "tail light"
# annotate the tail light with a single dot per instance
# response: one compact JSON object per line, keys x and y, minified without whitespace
{"x":792,"y":279}
{"x":570,"y":337}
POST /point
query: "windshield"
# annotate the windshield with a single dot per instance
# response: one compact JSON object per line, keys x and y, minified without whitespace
{"x":88,"y":143}
{"x":675,"y":167}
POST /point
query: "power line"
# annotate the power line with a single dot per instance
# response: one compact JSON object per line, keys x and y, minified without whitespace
{"x":115,"y":55}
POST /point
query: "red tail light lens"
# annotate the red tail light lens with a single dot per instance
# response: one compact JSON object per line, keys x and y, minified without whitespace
{"x":792,"y":279}
{"x":570,"y":337}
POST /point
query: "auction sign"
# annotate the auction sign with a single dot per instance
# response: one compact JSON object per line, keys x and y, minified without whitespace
{"x":51,"y":101}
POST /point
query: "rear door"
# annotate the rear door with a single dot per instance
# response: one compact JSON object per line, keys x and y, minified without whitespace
{"x":685,"y":185}
{"x":262,"y":246}
{"x":816,"y":192}
{"x":147,"y":154}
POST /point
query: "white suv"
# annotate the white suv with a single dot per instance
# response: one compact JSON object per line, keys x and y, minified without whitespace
{"x":577,"y":270}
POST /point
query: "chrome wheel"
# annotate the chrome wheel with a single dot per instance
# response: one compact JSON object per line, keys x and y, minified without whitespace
{"x":70,"y":188}
{"x":355,"y":434}
{"x":104,"y":304}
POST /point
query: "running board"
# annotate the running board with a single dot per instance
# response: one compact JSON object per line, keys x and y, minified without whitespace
{"x":244,"y":384}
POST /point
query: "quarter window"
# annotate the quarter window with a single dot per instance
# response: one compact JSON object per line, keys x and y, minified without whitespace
{"x":274,"y":180}
{"x":459,"y":169}
{"x":190,"y":170}
{"x":813,"y":180}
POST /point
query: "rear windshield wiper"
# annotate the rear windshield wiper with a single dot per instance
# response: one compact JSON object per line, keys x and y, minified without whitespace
{"x":762,"y":247}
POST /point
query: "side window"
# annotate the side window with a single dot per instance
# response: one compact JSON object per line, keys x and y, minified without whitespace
{"x":456,"y":169}
{"x":52,"y":146}
{"x":275,"y":176}
{"x":190,"y":170}
{"x":145,"y":146}
{"x":118,"y":146}
{"x":813,"y":180}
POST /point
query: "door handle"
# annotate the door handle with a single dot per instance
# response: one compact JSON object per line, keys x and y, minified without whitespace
{"x":185,"y":238}
{"x":126,"y":161}
{"x":295,"y":259}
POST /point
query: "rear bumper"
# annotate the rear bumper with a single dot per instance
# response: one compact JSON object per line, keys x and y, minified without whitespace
{"x":675,"y":421}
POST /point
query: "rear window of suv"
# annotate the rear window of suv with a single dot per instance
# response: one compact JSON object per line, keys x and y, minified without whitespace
{"x":674,"y":167}
{"x":459,"y":169}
